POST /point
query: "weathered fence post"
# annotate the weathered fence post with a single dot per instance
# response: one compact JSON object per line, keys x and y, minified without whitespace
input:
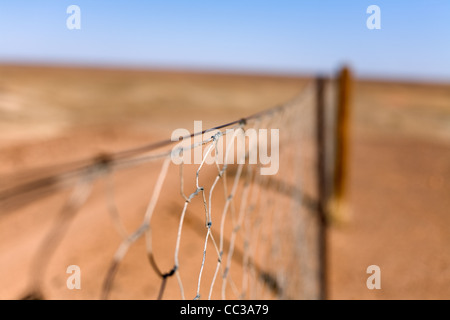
{"x":338,"y":206}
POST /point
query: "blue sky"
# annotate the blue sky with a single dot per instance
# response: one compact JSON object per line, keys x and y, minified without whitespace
{"x":252,"y":36}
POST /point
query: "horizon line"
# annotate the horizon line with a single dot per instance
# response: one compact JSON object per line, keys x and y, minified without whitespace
{"x":225,"y":71}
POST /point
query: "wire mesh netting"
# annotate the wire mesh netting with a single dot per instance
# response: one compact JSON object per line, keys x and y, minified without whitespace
{"x":139,"y":224}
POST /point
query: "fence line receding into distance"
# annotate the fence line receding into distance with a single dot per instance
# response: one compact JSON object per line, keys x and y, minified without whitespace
{"x":260,"y":236}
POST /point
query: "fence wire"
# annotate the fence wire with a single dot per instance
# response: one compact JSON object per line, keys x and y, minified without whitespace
{"x":259,"y":232}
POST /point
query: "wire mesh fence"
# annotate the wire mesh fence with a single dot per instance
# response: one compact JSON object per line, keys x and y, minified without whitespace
{"x":141,"y":226}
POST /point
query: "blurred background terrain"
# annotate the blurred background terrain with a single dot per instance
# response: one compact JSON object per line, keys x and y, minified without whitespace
{"x":400,"y":157}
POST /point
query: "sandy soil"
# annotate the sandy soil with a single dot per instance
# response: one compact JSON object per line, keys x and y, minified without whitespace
{"x":399,"y":185}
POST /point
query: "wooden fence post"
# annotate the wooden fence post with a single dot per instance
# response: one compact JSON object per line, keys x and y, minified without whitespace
{"x":338,"y":206}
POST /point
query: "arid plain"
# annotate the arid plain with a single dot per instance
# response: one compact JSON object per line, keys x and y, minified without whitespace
{"x":399,"y":185}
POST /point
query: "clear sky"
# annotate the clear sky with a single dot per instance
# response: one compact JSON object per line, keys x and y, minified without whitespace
{"x":302,"y":36}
